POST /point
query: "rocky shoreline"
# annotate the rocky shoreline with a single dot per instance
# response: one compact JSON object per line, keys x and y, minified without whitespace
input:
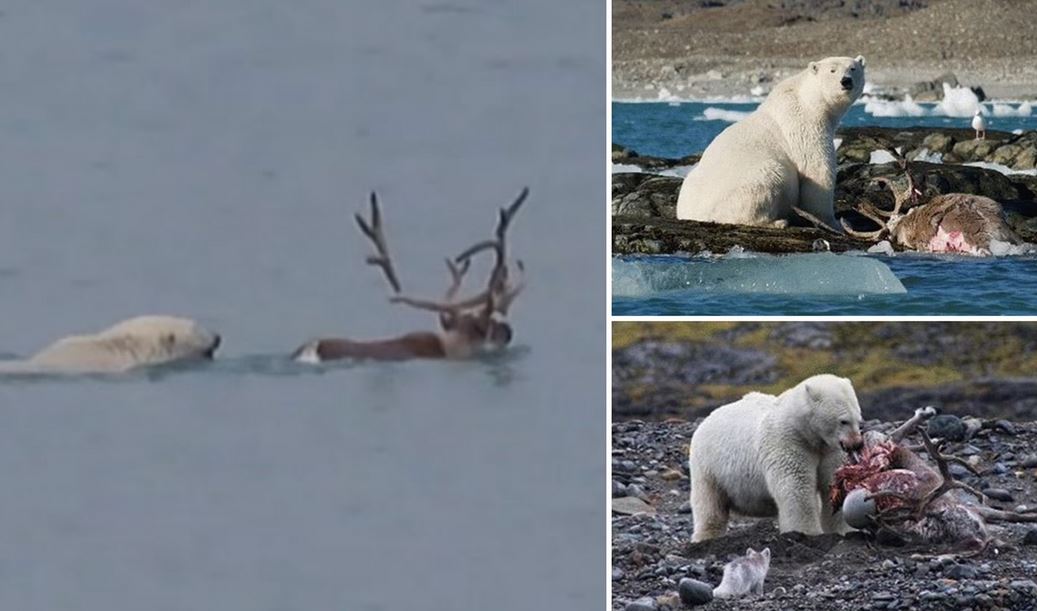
{"x":644,"y":203}
{"x":652,"y":553}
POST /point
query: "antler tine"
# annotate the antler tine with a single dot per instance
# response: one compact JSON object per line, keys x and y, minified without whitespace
{"x":373,"y":231}
{"x":866,"y":235}
{"x":457,"y":273}
{"x":502,"y":302}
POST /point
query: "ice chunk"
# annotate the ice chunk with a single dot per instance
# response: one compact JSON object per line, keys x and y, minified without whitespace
{"x":801,"y":274}
{"x":622,"y":168}
{"x":881,"y":157}
{"x":721,"y":114}
{"x":894,"y":108}
{"x":1001,"y":249}
{"x":997,"y":167}
{"x":1006,"y":110}
{"x":957,"y":102}
{"x":882,"y":248}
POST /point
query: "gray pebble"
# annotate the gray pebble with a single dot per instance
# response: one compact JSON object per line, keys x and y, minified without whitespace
{"x":635,"y":490}
{"x":645,"y":603}
{"x":1031,"y":537}
{"x":946,"y":426}
{"x":694,"y":592}
{"x":618,"y":489}
{"x":961,"y":571}
{"x":998,"y":494}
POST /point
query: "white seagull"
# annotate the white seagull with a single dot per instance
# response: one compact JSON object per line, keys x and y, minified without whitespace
{"x":980,"y":125}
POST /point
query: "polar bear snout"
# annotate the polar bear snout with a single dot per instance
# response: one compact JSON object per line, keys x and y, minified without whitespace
{"x":210,"y":353}
{"x":852,"y":442}
{"x":847,"y":83}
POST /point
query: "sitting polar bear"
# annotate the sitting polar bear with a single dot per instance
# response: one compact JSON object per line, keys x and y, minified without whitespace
{"x":763,"y":455}
{"x":137,"y":342}
{"x":780,"y":156}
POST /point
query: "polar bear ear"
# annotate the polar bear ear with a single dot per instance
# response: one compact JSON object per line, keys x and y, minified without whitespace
{"x":814,"y":394}
{"x":860,"y":60}
{"x":813,"y":66}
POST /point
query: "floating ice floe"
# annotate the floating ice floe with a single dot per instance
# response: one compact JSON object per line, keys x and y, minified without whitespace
{"x":677,"y":171}
{"x":895,"y":108}
{"x":957,"y":102}
{"x":623,"y":168}
{"x":802,"y":274}
{"x":722,"y":114}
{"x":1005,"y":110}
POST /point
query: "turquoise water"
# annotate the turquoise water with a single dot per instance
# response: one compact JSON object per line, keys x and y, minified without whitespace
{"x":676,"y":130}
{"x":944,"y":285}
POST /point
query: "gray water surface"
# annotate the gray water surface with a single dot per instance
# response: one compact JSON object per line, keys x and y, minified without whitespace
{"x":204,"y":160}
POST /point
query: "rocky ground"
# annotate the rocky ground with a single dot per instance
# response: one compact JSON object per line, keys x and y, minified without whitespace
{"x":651,"y":529}
{"x":724,"y":48}
{"x":644,"y":204}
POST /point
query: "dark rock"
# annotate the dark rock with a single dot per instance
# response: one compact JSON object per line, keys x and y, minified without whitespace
{"x":998,"y":494}
{"x":656,"y":196}
{"x":694,"y":592}
{"x":1006,"y":427}
{"x":932,"y":90}
{"x":961,"y":571}
{"x":946,"y":427}
{"x":638,"y":235}
{"x":1030,"y":538}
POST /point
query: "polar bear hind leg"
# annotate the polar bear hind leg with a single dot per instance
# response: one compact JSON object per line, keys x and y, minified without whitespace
{"x":764,"y":196}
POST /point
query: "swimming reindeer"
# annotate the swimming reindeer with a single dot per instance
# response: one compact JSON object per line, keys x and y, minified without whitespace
{"x":948,"y":223}
{"x":468,"y":326}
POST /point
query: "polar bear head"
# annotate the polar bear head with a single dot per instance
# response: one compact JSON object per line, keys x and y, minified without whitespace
{"x":160,"y":339}
{"x":835,"y":415}
{"x":840,"y":80}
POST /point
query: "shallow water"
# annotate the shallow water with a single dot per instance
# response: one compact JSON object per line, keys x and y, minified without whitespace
{"x":945,"y":285}
{"x":205,"y":161}
{"x":675,"y":130}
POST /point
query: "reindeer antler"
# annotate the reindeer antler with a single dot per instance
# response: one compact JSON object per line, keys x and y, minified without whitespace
{"x":498,"y":294}
{"x":374,"y":232}
{"x":882,"y":217}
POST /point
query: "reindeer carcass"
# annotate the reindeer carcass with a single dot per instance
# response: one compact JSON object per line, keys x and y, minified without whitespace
{"x":888,"y":485}
{"x":949,"y":223}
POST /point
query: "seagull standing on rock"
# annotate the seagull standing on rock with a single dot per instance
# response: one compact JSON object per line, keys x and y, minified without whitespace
{"x":980,"y":125}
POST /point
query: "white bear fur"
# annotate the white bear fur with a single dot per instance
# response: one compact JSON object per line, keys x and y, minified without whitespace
{"x":780,"y":156}
{"x":764,"y":455}
{"x":137,"y":342}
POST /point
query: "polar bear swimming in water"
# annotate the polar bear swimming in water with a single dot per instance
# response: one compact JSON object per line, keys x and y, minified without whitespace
{"x":137,"y":342}
{"x":779,"y":157}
